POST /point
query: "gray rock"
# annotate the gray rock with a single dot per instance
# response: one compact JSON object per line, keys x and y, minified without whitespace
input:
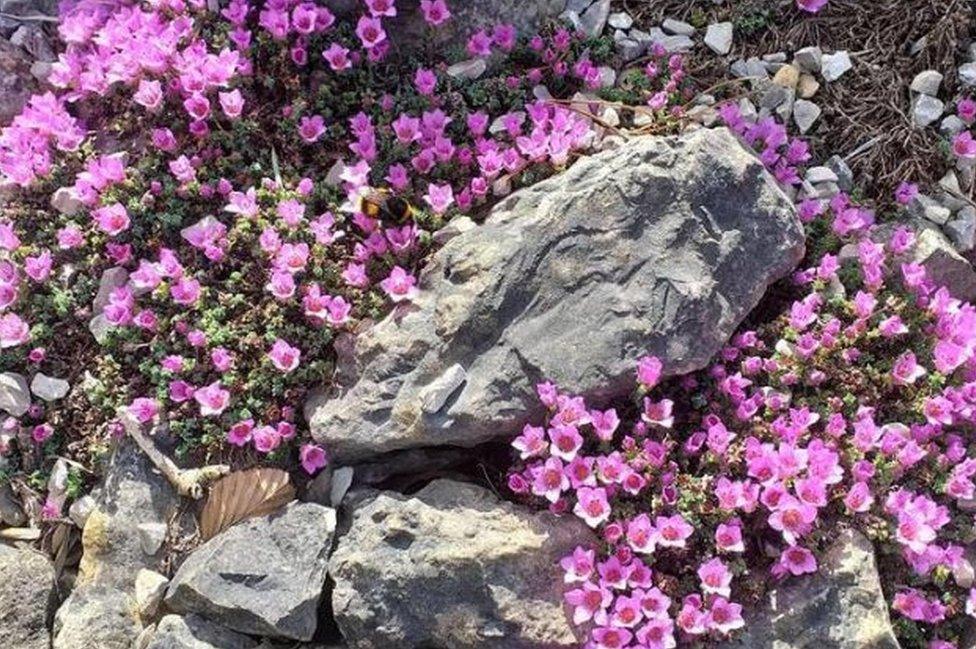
{"x":65,"y":202}
{"x":594,"y":19}
{"x":718,"y":38}
{"x":111,"y":279}
{"x":149,"y":590}
{"x":642,"y":249}
{"x":579,"y":6}
{"x":927,"y":82}
{"x":453,"y":566}
{"x":263,"y":576}
{"x":951,"y":126}
{"x":194,"y":632}
{"x":14,"y":394}
{"x":926,"y":110}
{"x":925,"y":207}
{"x":11,"y":510}
{"x":672,"y":26}
{"x":834,"y":66}
{"x":49,"y":388}
{"x":341,"y":481}
{"x":962,"y":229}
{"x":26,"y":596}
{"x":842,"y":606}
{"x":809,"y":58}
{"x":101,"y":612}
{"x":469,"y":69}
{"x":16,"y":83}
{"x":674,"y":44}
{"x":805,"y":114}
{"x":816,"y":175}
{"x":151,"y":536}
{"x":620,"y":20}
{"x":967,"y":74}
{"x":629,"y":49}
{"x":81,"y":509}
{"x":845,"y":177}
{"x":943,"y":264}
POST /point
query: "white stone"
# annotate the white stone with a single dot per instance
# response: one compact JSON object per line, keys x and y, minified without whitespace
{"x":151,"y":537}
{"x":967,"y":74}
{"x":594,"y":19}
{"x":436,"y":394}
{"x":821,"y":175}
{"x":65,"y":201}
{"x":805,"y":114}
{"x":672,"y":26}
{"x":14,"y":395}
{"x":962,"y":229}
{"x":926,"y":110}
{"x":834,"y":66}
{"x":49,"y":388}
{"x":808,"y":58}
{"x":927,"y":82}
{"x":718,"y":38}
{"x":951,"y":126}
{"x":620,"y":20}
{"x":81,"y":509}
{"x":150,"y":587}
{"x":470,"y":69}
{"x":341,"y":481}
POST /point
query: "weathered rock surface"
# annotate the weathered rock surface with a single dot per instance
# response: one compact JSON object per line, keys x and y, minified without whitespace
{"x":452,"y":566}
{"x":262,"y":576}
{"x":16,"y":82}
{"x":26,"y":595}
{"x":194,"y":632}
{"x":102,"y":610}
{"x":840,"y":607}
{"x":660,"y":246}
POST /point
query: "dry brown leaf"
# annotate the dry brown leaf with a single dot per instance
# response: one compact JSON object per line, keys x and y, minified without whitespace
{"x":244,"y":494}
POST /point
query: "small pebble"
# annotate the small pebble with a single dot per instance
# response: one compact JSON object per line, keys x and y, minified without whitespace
{"x":808,"y":58}
{"x":805,"y":114}
{"x":834,"y":66}
{"x":927,"y":82}
{"x":926,"y":110}
{"x":718,"y":38}
{"x":620,"y":20}
{"x":677,"y":27}
{"x":807,"y":87}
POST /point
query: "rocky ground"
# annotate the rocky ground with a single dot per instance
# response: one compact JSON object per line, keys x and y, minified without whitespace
{"x":406,"y":540}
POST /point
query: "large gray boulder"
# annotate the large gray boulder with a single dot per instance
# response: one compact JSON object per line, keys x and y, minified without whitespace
{"x":263,"y":576}
{"x":452,"y":566}
{"x":26,"y":595}
{"x":661,"y":246}
{"x":101,"y":612}
{"x":842,"y":606}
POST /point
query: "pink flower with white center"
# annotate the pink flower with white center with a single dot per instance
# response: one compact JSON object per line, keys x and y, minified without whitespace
{"x":657,"y":633}
{"x":240,"y":433}
{"x":592,"y":505}
{"x":550,"y":481}
{"x":149,"y":94}
{"x":232,"y":103}
{"x":400,"y":285}
{"x":792,"y":518}
{"x":611,"y":638}
{"x":672,"y":531}
{"x":641,"y":535}
{"x":337,"y":57}
{"x":589,"y":602}
{"x":13,"y":331}
{"x":649,"y":370}
{"x":531,"y":443}
{"x":266,"y":439}
{"x":313,"y":458}
{"x":311,"y":128}
{"x":725,"y":616}
{"x":143,"y":410}
{"x":728,"y":536}
{"x":906,"y":370}
{"x":964,"y":146}
{"x":715,"y":577}
{"x":112,"y":219}
{"x":197,"y":106}
{"x":435,"y":12}
{"x":566,"y":441}
{"x":811,"y":6}
{"x":439,"y":197}
{"x":859,"y":498}
{"x":370,"y":32}
{"x":691,"y":619}
{"x":580,"y":472}
{"x":212,"y":399}
{"x":892,"y":326}
{"x":797,"y":561}
{"x":379,"y":8}
{"x":938,"y":410}
{"x":578,"y":565}
{"x":284,"y":357}
{"x":658,"y":413}
{"x":604,"y":423}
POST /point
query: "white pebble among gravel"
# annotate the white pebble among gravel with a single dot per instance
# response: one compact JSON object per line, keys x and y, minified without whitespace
{"x":927,"y":82}
{"x":718,"y":38}
{"x":677,"y":27}
{"x":967,"y":74}
{"x":14,"y":394}
{"x":805,"y":114}
{"x":926,"y":207}
{"x":620,"y":20}
{"x":470,"y":69}
{"x":808,"y":59}
{"x":962,"y":229}
{"x":49,"y":388}
{"x":926,"y":110}
{"x":951,"y":126}
{"x":821,"y":175}
{"x":594,"y":19}
{"x":834,"y":66}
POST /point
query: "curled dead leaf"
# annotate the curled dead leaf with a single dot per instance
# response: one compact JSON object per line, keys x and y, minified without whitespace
{"x":244,"y":494}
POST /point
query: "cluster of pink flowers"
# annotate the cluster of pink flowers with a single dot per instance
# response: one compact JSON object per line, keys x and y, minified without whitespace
{"x":964,"y":145}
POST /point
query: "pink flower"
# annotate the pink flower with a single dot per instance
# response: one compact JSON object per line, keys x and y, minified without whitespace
{"x":964,"y":145}
{"x":906,"y":192}
{"x":578,"y":565}
{"x":725,"y":616}
{"x":728,"y":537}
{"x":311,"y":128}
{"x":266,"y":439}
{"x":531,"y":443}
{"x":337,"y":57}
{"x":240,"y":433}
{"x":439,"y":197}
{"x":381,"y":7}
{"x":435,"y":12}
{"x":859,"y":498}
{"x":13,"y":331}
{"x":797,"y":561}
{"x":212,"y":399}
{"x":811,"y":6}
{"x":370,"y":32}
{"x":592,"y":505}
{"x":313,"y":458}
{"x":906,"y":370}
{"x":589,"y":602}
{"x":400,"y":285}
{"x":197,"y":106}
{"x":641,"y":535}
{"x":143,"y":410}
{"x":673,"y":531}
{"x":792,"y":518}
{"x":649,"y":370}
{"x":284,"y":357}
{"x":611,"y":638}
{"x":550,"y":480}
{"x":232,"y":103}
{"x":715,"y":577}
{"x":112,"y":219}
{"x":425,"y":80}
{"x":149,"y":94}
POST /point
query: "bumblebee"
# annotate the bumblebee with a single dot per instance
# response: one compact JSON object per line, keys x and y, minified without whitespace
{"x":381,"y":203}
